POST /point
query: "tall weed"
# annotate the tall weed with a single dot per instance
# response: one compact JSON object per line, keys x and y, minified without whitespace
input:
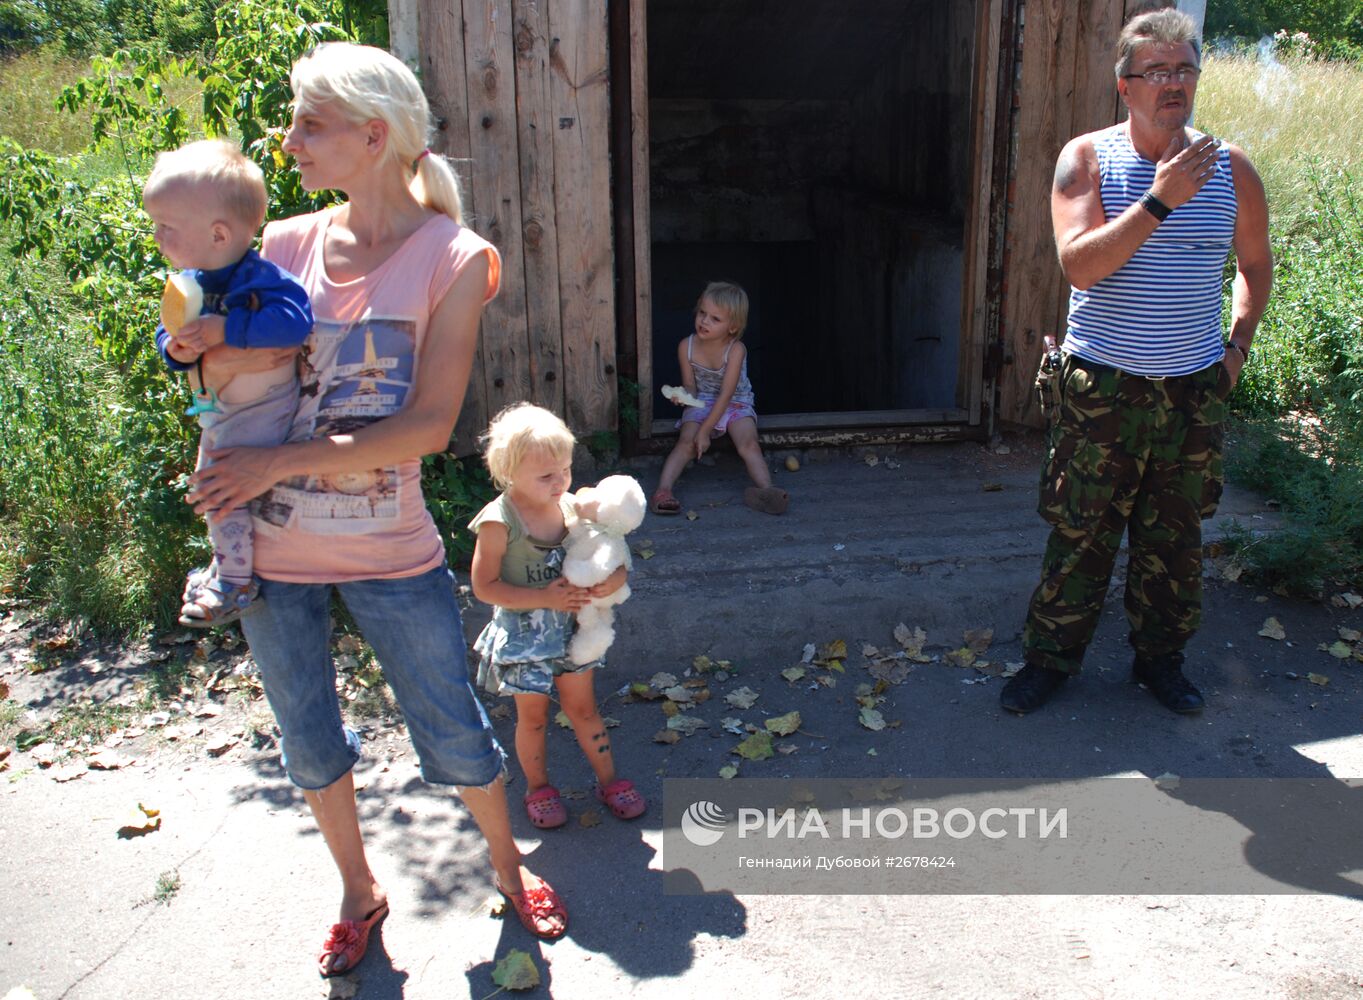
{"x":1285,"y":113}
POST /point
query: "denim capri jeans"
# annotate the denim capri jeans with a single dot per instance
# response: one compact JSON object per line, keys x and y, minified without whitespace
{"x":413,"y":625}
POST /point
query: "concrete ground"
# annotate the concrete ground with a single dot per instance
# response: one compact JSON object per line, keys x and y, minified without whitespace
{"x":941,"y":537}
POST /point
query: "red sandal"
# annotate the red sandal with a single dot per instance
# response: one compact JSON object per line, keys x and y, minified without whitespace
{"x":664,"y":503}
{"x":347,"y":941}
{"x":537,"y":903}
{"x":545,"y":808}
{"x":622,"y":799}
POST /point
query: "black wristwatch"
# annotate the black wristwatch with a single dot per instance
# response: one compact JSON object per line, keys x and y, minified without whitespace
{"x":1244,"y":351}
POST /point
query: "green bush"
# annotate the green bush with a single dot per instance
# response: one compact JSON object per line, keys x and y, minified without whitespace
{"x":92,"y":428}
{"x":1326,"y":21}
{"x":96,"y":446}
{"x":1301,"y":442}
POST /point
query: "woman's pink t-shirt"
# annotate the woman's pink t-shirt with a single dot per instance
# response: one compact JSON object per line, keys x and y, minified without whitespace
{"x":357,"y":366}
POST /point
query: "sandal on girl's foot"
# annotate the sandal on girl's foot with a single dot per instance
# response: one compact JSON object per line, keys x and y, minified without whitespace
{"x":545,"y":808}
{"x":218,"y":602}
{"x":767,"y":499}
{"x":196,"y":580}
{"x":537,"y":906}
{"x":622,"y":799}
{"x":347,"y":942}
{"x":664,"y":503}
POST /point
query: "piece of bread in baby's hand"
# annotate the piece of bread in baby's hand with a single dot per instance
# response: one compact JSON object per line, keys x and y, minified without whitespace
{"x":678,"y":394}
{"x":181,"y":302}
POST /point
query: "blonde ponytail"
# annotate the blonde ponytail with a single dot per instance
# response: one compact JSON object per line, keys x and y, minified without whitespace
{"x":368,"y":83}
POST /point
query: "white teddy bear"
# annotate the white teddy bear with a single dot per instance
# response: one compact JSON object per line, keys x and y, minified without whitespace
{"x":595,"y":548}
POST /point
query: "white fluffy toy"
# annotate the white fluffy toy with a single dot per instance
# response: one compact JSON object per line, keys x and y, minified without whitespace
{"x":596,"y":548}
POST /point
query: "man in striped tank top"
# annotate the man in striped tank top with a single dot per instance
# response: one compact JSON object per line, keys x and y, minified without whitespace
{"x":1145,"y":215}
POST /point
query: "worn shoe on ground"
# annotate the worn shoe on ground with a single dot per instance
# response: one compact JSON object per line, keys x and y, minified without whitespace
{"x":1030,"y":688}
{"x":1163,"y":677}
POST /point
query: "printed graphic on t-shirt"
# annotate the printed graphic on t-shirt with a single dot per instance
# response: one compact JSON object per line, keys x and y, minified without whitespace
{"x":350,"y":374}
{"x":548,"y":571}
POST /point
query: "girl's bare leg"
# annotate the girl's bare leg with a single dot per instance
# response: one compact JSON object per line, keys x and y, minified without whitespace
{"x":743,"y":432}
{"x":579,"y":704}
{"x":682,"y":452}
{"x":532,"y":716}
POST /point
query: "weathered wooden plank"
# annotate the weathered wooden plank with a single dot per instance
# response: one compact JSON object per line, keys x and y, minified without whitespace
{"x":983,"y":105}
{"x":643,"y":240}
{"x":539,"y":232}
{"x":404,"y":31}
{"x":490,"y":70}
{"x":580,"y":89}
{"x":1033,"y":271}
{"x":441,"y":50}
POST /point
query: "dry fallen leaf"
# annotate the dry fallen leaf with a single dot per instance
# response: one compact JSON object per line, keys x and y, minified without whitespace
{"x":728,"y":771}
{"x":978,"y":639}
{"x":1340,"y":650}
{"x":743,"y":698}
{"x":687,"y":724}
{"x":784,"y":725}
{"x":561,"y":717}
{"x":589,"y":819}
{"x":220,"y":745}
{"x":502,"y":711}
{"x":755,"y":747}
{"x":1350,"y":634}
{"x":1318,"y":679}
{"x":962,"y":657}
{"x":691,"y":515}
{"x":70,"y":772}
{"x":516,"y":972}
{"x":835,"y":650}
{"x":1273,"y":629}
{"x":670,"y":708}
{"x":142,"y":820}
{"x":889,"y":671}
{"x":871,"y":719}
{"x":644,"y":691}
{"x":793,"y":674}
{"x":662,"y":680}
{"x":107,"y":760}
{"x":668,"y":736}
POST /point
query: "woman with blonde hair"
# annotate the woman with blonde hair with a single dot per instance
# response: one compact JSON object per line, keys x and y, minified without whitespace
{"x":397,"y":287}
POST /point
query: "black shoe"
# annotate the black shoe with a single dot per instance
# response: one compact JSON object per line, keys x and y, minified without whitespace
{"x":1163,"y":677}
{"x":1030,"y":688}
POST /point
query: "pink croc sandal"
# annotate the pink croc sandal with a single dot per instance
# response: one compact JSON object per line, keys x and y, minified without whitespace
{"x":622,"y":799}
{"x":545,"y":808}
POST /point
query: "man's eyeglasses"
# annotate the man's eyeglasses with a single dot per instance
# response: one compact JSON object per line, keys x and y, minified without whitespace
{"x":1159,"y":77}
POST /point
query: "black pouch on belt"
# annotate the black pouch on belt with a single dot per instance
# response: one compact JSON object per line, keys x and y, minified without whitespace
{"x":1048,"y":379}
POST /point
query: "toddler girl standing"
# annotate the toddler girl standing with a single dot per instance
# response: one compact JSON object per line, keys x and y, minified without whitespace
{"x":714,"y":368}
{"x":517,"y":562}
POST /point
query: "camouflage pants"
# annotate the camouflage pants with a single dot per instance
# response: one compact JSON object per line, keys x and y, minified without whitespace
{"x":1135,"y":455}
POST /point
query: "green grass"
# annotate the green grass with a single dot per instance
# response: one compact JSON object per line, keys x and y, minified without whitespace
{"x":1298,"y":438}
{"x":167,"y":885}
{"x":29,"y":85}
{"x":1283,"y":117}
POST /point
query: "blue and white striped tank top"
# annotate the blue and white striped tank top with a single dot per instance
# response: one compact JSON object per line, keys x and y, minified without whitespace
{"x":1160,"y":313}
